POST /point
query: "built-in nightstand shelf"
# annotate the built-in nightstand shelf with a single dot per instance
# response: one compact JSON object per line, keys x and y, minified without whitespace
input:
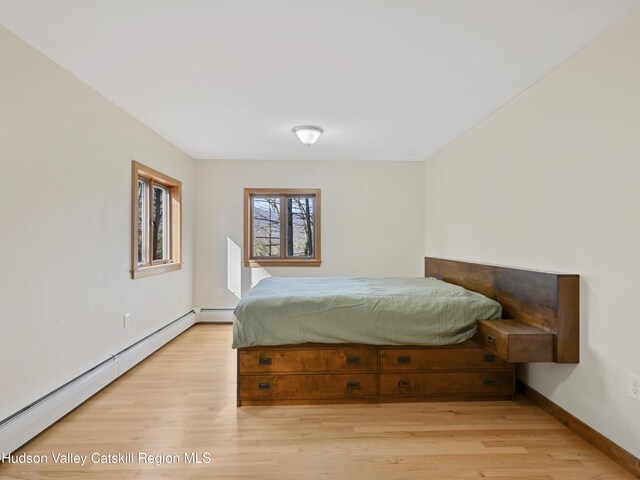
{"x":516,"y":341}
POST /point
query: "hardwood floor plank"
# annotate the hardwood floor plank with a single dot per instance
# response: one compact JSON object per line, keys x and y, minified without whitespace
{"x":182,"y":399}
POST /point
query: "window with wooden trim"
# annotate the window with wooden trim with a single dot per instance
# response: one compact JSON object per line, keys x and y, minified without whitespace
{"x":156,"y":222}
{"x":281,"y":227}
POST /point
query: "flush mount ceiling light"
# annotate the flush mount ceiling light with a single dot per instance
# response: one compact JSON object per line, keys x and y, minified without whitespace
{"x":308,"y":134}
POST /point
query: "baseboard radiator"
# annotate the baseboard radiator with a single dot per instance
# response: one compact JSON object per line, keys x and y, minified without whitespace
{"x":215,"y":315}
{"x":22,"y":426}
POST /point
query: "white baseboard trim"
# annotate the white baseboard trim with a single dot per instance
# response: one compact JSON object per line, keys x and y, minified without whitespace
{"x":215,"y":315}
{"x":21,"y":427}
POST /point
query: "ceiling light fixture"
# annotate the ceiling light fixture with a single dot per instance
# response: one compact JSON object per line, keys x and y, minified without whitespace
{"x":308,"y":134}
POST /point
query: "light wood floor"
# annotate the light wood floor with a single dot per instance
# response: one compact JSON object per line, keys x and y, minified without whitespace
{"x":182,"y":399}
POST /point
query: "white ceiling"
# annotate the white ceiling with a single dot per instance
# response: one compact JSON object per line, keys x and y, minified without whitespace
{"x":388,"y":80}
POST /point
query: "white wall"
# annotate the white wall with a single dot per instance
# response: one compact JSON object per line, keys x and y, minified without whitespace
{"x":552,"y":181}
{"x":372,"y":220}
{"x":65,"y":180}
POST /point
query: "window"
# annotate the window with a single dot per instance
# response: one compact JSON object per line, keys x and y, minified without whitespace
{"x":156,"y":222}
{"x":281,"y":227}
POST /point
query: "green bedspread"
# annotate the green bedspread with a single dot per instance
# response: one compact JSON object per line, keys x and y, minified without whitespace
{"x":377,"y":311}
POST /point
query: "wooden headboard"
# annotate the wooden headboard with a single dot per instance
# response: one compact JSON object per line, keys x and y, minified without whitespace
{"x":547,"y":301}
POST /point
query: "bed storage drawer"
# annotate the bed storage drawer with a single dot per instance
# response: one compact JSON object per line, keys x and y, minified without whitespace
{"x":405,"y":359}
{"x":308,"y":386}
{"x":472,"y":383}
{"x":316,"y":360}
{"x":317,"y":374}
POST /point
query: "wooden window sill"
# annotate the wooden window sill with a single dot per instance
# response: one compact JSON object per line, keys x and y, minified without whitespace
{"x":282,"y":263}
{"x":155,"y":270}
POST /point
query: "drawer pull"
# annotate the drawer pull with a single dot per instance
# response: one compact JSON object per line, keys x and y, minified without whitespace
{"x":491,"y":339}
{"x":264,"y":386}
{"x":489,"y":358}
{"x":265,"y":361}
{"x":353,"y":385}
{"x":404,"y":360}
{"x":353,"y":360}
{"x":489,"y":381}
{"x":404,"y":383}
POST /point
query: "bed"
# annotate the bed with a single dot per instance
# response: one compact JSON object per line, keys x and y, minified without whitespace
{"x":359,"y":340}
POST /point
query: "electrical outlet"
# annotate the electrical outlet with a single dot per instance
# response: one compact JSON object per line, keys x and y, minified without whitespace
{"x":127,"y":320}
{"x":633,"y":385}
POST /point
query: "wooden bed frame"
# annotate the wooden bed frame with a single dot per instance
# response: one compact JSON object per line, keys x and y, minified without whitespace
{"x":542,"y":321}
